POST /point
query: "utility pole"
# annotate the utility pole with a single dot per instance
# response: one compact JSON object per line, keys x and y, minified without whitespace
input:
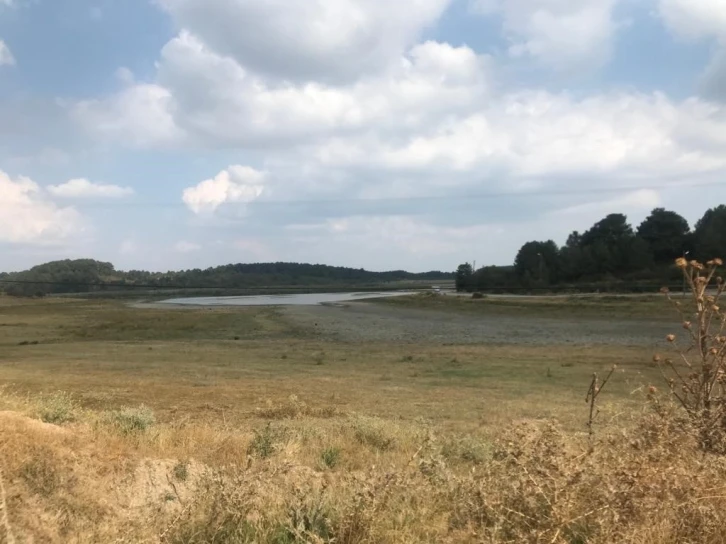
{"x":541,"y":267}
{"x":473,"y":276}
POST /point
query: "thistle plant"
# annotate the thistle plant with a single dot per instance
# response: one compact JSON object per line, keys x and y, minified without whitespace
{"x":697,"y":375}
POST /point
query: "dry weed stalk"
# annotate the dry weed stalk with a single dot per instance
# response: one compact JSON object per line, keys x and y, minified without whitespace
{"x":6,"y":533}
{"x":697,"y":378}
{"x":593,"y":393}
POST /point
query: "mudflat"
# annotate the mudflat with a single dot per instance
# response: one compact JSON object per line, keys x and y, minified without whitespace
{"x":385,"y":322}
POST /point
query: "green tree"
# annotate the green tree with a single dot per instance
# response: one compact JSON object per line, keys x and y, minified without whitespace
{"x":538,"y":263}
{"x":490,"y":278}
{"x":610,"y":240}
{"x":640,"y":256}
{"x":572,"y":258}
{"x":666,"y":234}
{"x":709,"y":235}
{"x":464,"y":275}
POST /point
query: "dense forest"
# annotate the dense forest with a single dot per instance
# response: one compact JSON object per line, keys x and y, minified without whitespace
{"x":87,"y":275}
{"x":611,"y":255}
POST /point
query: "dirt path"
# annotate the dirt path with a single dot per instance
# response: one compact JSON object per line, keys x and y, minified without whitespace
{"x":370,"y":322}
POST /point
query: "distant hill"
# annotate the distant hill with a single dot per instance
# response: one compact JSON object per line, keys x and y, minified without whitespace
{"x":88,"y":275}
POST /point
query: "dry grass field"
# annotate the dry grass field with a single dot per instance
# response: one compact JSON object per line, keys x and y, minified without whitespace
{"x":232,"y":425}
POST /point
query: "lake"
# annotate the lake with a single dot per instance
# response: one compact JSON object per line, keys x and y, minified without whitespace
{"x":307,"y":299}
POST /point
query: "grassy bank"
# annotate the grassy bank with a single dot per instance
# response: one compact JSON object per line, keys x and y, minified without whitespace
{"x":612,"y":307}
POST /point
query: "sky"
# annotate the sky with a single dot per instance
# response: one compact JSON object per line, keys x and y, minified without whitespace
{"x":377,"y":134}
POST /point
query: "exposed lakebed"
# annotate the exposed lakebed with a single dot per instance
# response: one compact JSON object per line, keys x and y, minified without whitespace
{"x":355,"y":317}
{"x":306,"y":299}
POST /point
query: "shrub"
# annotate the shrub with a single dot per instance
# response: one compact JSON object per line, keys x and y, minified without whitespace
{"x":132,"y":420}
{"x":181,"y":471}
{"x":697,"y":376}
{"x":267,"y":441}
{"x":372,"y":432}
{"x":58,"y":408}
{"x":330,"y":457}
{"x":467,"y":449}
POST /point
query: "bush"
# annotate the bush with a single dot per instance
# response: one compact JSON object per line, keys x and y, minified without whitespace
{"x":132,"y":420}
{"x":697,"y":376}
{"x":330,"y":457}
{"x":467,"y":449}
{"x":372,"y":432}
{"x":181,"y":471}
{"x":267,"y":441}
{"x":58,"y":408}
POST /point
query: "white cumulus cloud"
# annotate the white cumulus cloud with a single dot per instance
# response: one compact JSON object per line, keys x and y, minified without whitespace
{"x":545,"y":135}
{"x":713,"y":81}
{"x":330,"y":40}
{"x":210,"y":99}
{"x":6,"y":57}
{"x":699,"y":20}
{"x":237,"y":184}
{"x":695,"y":19}
{"x":562,"y":34}
{"x":82,"y":188}
{"x":139,"y":116}
{"x":27,"y":216}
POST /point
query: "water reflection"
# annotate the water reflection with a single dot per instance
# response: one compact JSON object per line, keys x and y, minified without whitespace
{"x":307,"y":299}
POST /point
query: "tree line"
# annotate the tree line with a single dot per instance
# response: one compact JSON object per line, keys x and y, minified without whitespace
{"x":611,"y":255}
{"x":88,"y":275}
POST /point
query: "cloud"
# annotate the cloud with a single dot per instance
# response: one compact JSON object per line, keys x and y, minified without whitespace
{"x":210,"y":100}
{"x":124,"y":75}
{"x":713,"y":81}
{"x":82,"y":188}
{"x":316,"y":40}
{"x":6,"y":57}
{"x":236,"y":184}
{"x":28,"y":217}
{"x":439,"y":113}
{"x":141,"y":115}
{"x":544,"y":135}
{"x":439,"y":120}
{"x":695,"y":19}
{"x":641,"y":201}
{"x":409,"y":234}
{"x":377,"y":242}
{"x":186,"y":247}
{"x":561,"y":34}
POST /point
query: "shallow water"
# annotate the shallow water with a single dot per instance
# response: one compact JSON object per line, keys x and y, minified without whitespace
{"x":307,"y":299}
